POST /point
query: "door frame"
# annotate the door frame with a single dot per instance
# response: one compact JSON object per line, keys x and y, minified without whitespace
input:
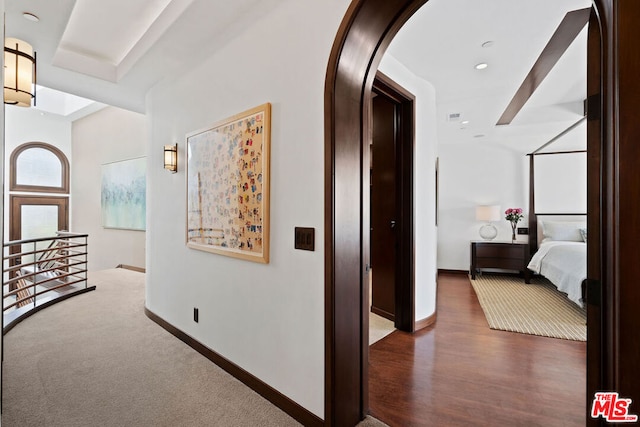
{"x":16,"y":201}
{"x":363,"y":36}
{"x":404,"y":318}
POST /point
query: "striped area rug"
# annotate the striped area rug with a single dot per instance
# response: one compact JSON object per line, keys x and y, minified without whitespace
{"x":535,"y":309}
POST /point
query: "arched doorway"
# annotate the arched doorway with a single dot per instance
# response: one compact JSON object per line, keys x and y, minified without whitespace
{"x":365,"y":33}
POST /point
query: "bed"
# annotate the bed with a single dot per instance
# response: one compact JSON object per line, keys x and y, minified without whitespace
{"x":557,"y":237}
{"x":562,"y":256}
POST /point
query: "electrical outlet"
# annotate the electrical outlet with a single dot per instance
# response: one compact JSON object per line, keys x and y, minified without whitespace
{"x":195,"y":314}
{"x":523,"y":230}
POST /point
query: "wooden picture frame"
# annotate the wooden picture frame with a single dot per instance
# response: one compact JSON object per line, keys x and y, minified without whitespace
{"x":228,"y":182}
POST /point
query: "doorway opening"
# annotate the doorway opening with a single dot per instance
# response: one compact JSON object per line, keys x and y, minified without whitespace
{"x":390,"y":176}
{"x":365,"y":34}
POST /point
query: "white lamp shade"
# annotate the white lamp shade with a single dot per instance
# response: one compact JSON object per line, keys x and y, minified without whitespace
{"x":18,"y":88}
{"x":488,"y":213}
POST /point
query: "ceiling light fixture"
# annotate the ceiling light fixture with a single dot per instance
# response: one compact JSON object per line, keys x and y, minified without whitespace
{"x":30,"y":17}
{"x":481,"y":66}
{"x":465,"y":122}
{"x":19,"y":73}
{"x":488,"y":43}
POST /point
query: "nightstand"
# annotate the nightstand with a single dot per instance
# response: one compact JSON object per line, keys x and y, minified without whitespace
{"x":502,"y":255}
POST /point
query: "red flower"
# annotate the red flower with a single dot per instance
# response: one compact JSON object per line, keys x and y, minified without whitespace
{"x":513,"y":215}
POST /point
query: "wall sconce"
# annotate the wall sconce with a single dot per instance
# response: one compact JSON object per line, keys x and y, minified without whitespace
{"x":171,"y":158}
{"x":19,"y":73}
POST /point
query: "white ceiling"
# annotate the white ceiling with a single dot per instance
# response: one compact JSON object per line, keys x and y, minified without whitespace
{"x":115,"y":51}
{"x":443,"y":41}
{"x":89,"y":34}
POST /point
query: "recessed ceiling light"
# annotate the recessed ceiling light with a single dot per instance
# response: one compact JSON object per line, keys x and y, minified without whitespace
{"x":478,"y":136}
{"x":481,"y":66}
{"x":30,"y":17}
{"x":465,"y":122}
{"x":488,"y":43}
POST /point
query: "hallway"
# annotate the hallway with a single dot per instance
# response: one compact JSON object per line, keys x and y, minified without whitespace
{"x":97,"y":360}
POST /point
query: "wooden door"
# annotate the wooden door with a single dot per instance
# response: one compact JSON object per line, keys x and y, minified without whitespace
{"x":384,"y":209}
{"x":389,"y":209}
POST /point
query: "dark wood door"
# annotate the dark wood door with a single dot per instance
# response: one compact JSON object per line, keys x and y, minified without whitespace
{"x":384,"y":209}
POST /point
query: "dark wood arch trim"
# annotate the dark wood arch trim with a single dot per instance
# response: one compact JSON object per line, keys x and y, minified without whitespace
{"x":64,"y":162}
{"x":363,"y":36}
{"x":619,"y":205}
{"x":595,"y":137}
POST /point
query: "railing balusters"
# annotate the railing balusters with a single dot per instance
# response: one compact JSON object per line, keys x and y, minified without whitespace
{"x":35,"y":278}
{"x":59,"y":269}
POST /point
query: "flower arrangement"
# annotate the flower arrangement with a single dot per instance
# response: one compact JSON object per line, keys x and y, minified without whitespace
{"x":513,"y":215}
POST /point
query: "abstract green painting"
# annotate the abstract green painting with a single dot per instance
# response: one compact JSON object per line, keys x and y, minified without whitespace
{"x":124,"y":194}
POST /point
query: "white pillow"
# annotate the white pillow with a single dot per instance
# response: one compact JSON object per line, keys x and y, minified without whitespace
{"x":583,"y":233}
{"x":563,"y":230}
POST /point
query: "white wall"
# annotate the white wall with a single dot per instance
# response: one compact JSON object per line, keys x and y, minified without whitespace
{"x":268,"y":319}
{"x":480,"y":173}
{"x":561,"y":183}
{"x":109,"y":135}
{"x":426,"y":148}
{"x":472,"y":175}
{"x":30,"y":125}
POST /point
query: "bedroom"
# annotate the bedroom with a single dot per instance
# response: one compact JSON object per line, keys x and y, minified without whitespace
{"x":481,"y":163}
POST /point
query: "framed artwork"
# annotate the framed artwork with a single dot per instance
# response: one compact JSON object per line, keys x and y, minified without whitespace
{"x":123,"y":194}
{"x":228,"y":186}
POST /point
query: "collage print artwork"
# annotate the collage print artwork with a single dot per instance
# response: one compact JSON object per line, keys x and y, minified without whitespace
{"x":227,"y":186}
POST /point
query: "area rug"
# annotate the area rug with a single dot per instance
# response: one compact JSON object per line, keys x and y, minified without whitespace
{"x":535,"y":309}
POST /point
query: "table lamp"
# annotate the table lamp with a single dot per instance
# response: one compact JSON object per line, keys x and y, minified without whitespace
{"x":488,"y":213}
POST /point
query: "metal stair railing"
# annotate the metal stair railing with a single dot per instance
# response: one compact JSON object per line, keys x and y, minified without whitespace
{"x":39,"y":272}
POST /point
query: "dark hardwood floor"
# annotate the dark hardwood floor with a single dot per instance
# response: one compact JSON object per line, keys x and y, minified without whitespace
{"x":459,"y":372}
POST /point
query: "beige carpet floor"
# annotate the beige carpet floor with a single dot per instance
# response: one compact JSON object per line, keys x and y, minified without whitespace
{"x":379,"y":327}
{"x":97,"y":360}
{"x":537,"y":308}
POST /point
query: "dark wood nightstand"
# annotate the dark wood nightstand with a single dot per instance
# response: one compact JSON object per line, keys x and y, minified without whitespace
{"x":503,"y":255}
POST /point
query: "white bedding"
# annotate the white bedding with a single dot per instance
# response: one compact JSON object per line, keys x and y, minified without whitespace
{"x":564,"y":264}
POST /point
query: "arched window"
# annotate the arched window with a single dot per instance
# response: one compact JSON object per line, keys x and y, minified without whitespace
{"x":39,"y":167}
